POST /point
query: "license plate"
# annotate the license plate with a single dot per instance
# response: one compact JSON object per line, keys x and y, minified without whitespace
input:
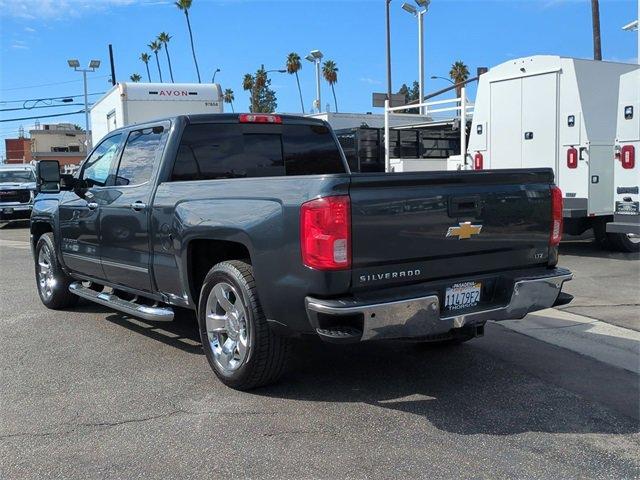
{"x":462,"y":295}
{"x":627,"y":208}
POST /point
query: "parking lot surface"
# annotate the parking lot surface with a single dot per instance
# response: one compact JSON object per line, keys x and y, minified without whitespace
{"x":91,"y":393}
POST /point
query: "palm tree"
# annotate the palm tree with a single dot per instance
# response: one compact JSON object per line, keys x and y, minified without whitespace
{"x":145,"y":57}
{"x":248,"y":82}
{"x":293,"y":67}
{"x":595,"y":24}
{"x":135,"y":78}
{"x":185,"y":5}
{"x":229,"y":98}
{"x":164,"y":38}
{"x":458,"y":73}
{"x":330,"y":74}
{"x":155,"y":47}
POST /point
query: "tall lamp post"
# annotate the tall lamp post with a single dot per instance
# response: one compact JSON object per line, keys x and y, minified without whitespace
{"x":213,"y":79}
{"x":93,"y":65}
{"x":315,"y":56}
{"x":419,"y":14}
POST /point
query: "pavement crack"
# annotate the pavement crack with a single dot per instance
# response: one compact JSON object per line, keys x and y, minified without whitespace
{"x":128,"y":421}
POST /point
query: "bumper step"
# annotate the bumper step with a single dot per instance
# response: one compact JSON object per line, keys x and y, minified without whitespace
{"x":340,"y":334}
{"x":146,"y":312}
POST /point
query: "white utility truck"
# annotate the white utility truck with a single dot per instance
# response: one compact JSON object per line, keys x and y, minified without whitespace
{"x":558,"y":112}
{"x":129,"y":103}
{"x":625,"y":229}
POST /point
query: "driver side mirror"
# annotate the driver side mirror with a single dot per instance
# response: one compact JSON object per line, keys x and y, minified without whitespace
{"x":48,"y":176}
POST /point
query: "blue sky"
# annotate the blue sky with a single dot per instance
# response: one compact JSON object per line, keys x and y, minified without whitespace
{"x":38,"y":36}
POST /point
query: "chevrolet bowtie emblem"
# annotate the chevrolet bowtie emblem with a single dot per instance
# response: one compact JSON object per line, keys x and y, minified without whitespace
{"x":464,"y":230}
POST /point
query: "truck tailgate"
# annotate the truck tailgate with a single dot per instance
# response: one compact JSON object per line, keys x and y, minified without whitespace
{"x":414,"y":227}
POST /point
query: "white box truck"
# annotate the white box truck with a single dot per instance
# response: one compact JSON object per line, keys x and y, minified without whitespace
{"x":129,"y":103}
{"x":558,"y":112}
{"x":624,"y":231}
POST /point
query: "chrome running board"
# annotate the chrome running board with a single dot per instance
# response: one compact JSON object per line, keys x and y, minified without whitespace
{"x":146,"y":312}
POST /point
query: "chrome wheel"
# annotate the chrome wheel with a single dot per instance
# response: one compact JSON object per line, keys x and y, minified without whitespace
{"x":227,"y":327}
{"x":46,"y":278}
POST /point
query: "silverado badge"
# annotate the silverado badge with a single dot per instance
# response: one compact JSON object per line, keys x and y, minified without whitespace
{"x":464,"y":230}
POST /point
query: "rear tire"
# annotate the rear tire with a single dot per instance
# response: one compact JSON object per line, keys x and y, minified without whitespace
{"x":242,"y":350}
{"x":52,"y":282}
{"x":622,"y":242}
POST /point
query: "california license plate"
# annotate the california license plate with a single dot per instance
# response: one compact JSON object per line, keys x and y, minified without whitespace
{"x":462,"y":295}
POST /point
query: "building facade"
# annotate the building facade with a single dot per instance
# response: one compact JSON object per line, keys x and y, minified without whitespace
{"x":62,"y":141}
{"x":18,"y":150}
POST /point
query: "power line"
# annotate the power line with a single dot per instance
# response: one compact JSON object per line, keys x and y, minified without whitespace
{"x":50,"y":98}
{"x":47,"y":84}
{"x":41,"y":116}
{"x":40,"y":106}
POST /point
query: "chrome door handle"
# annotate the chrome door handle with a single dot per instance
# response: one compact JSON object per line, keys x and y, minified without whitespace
{"x":138,"y":206}
{"x":92,"y":205}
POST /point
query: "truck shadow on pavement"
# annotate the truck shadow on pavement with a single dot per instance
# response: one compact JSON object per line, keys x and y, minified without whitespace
{"x":182,"y":333}
{"x":461,"y":390}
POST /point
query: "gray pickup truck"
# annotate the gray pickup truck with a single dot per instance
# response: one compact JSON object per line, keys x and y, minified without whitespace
{"x":255,"y":222}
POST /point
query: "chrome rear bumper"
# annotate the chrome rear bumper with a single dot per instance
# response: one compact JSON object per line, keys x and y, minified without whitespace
{"x":421,"y":316}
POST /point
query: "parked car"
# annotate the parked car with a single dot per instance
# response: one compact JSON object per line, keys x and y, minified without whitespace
{"x":255,"y":222}
{"x":17,"y":190}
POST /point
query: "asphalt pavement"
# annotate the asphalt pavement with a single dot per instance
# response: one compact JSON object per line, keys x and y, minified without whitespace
{"x":91,"y":393}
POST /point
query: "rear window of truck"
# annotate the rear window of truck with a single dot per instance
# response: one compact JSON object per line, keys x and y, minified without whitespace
{"x":211,"y":151}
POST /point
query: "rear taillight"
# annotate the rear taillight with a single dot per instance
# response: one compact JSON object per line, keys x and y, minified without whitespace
{"x":478,"y":161}
{"x":628,"y":156}
{"x":259,"y":118}
{"x":325,"y":233}
{"x":556,"y":217}
{"x":572,"y":158}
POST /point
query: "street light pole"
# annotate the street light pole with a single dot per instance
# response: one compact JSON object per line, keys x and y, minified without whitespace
{"x":316,"y":57}
{"x":388,"y":52}
{"x":421,"y":58}
{"x":93,"y":65}
{"x":213,"y":80}
{"x":86,"y":109}
{"x":419,"y":14}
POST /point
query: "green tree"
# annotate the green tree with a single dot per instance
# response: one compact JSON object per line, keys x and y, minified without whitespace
{"x":458,"y":73}
{"x":248,"y":83}
{"x":135,"y":78}
{"x":330,"y":74}
{"x":229,"y":98}
{"x":410,"y":95}
{"x":293,"y":67}
{"x":155,"y":47}
{"x":185,"y":5}
{"x":164,"y":38}
{"x":263,"y":98}
{"x":145,"y":57}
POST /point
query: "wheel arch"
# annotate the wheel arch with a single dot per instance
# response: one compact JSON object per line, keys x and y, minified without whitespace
{"x":204,"y":253}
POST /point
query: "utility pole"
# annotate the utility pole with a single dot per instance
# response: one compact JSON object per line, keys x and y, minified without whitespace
{"x":595,"y":19}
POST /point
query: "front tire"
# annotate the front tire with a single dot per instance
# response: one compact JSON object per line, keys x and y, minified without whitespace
{"x":52,"y":282}
{"x":242,"y":350}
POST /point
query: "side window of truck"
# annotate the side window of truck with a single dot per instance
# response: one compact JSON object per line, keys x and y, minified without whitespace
{"x":140,"y":154}
{"x":95,"y":170}
{"x":211,"y":151}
